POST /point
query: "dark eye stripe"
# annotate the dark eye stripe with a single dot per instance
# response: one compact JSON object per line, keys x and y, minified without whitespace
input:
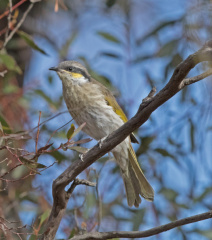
{"x":77,"y":70}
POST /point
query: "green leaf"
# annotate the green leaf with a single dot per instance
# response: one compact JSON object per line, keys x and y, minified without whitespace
{"x":165,"y":153}
{"x":169,"y":194}
{"x":78,"y":149}
{"x":72,"y":233}
{"x":206,"y":233}
{"x":58,"y":156}
{"x":47,"y":98}
{"x":33,"y":237}
{"x":109,"y":37}
{"x":28,"y":39}
{"x":44,"y":216}
{"x":157,"y":29}
{"x":192,"y":129}
{"x":65,"y":47}
{"x":176,"y":60}
{"x":145,"y":144}
{"x":112,"y":55}
{"x":142,"y":58}
{"x":31,"y":164}
{"x":10,"y":63}
{"x":70,"y":132}
{"x":168,"y":48}
{"x":110,"y":3}
{"x":5,"y":125}
{"x":78,"y":129}
{"x":201,"y":197}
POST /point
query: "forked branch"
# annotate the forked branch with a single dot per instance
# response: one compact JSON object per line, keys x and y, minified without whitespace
{"x":177,"y":82}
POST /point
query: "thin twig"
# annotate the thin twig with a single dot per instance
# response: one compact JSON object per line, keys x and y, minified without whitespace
{"x":191,"y":80}
{"x":150,"y":95}
{"x":79,"y":182}
{"x":143,"y":234}
{"x":37,"y":135}
{"x":15,"y":135}
{"x":18,"y":25}
{"x":9,"y":19}
{"x":13,"y":8}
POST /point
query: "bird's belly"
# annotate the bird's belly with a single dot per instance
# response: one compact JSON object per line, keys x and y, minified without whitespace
{"x":100,"y":120}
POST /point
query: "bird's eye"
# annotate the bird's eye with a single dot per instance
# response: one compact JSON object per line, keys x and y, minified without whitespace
{"x":70,"y":69}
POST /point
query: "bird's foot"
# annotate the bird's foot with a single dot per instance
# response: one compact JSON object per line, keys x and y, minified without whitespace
{"x":81,"y":157}
{"x":100,"y":142}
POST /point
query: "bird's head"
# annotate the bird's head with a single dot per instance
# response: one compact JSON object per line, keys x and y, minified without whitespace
{"x":72,"y":71}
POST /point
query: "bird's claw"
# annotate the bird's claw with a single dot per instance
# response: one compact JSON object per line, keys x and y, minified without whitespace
{"x":101,"y":141}
{"x":81,"y":157}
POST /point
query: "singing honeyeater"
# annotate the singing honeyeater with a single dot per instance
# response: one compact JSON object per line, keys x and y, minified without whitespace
{"x":91,"y":102}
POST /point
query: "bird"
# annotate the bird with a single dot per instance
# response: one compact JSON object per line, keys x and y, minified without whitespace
{"x":90,"y":102}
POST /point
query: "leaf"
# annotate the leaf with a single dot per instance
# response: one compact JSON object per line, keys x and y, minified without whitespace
{"x":72,"y":233}
{"x":145,"y":144}
{"x":192,"y":129}
{"x":31,"y":164}
{"x":157,"y":29}
{"x":28,"y":39}
{"x":45,"y":97}
{"x":44,"y":216}
{"x":10,"y":89}
{"x":110,"y":3}
{"x":78,"y":149}
{"x":165,"y":153}
{"x":70,"y":132}
{"x":10,"y":63}
{"x":168,"y":48}
{"x":112,"y":55}
{"x":169,"y":194}
{"x":58,"y":156}
{"x":201,"y":197}
{"x":141,"y":58}
{"x":65,"y":47}
{"x":206,"y":233}
{"x":176,"y":60}
{"x":45,"y":147}
{"x":78,"y":129}
{"x":109,"y":37}
{"x":5,"y":126}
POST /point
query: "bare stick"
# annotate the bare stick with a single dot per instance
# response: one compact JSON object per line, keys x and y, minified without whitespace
{"x":18,"y":25}
{"x":9,"y":19}
{"x":143,"y":234}
{"x":188,"y":81}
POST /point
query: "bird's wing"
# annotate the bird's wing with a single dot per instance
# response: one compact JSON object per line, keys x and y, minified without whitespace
{"x":111,"y":101}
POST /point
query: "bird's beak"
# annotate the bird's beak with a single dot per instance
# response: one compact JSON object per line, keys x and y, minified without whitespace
{"x":56,"y":69}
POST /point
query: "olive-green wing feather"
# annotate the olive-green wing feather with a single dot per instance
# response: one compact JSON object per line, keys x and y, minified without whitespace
{"x":111,"y":101}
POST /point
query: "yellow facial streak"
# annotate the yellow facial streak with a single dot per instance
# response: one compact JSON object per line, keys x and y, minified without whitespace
{"x":74,"y":75}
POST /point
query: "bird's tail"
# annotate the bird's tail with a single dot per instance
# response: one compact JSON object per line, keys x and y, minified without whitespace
{"x":135,"y":182}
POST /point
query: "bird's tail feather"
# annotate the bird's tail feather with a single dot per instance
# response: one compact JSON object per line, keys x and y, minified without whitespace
{"x":134,"y":180}
{"x":146,"y":190}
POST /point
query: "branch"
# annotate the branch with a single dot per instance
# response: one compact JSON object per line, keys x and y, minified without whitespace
{"x":59,"y":208}
{"x":145,"y":110}
{"x":8,"y":38}
{"x":188,"y":81}
{"x":143,"y":234}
